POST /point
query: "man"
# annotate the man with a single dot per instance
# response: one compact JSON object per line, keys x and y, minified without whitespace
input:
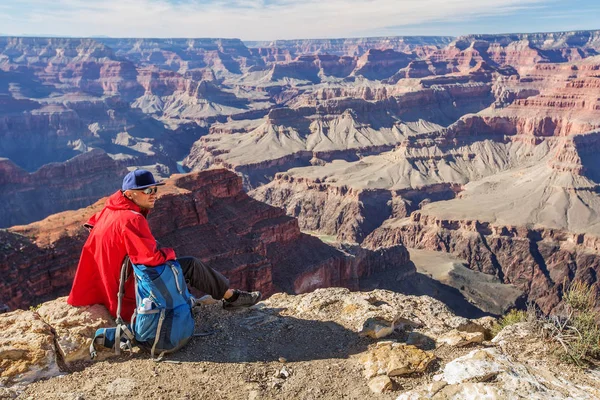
{"x":120,"y":229}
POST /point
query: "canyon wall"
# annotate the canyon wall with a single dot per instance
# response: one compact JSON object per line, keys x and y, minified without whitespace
{"x":27,"y":197}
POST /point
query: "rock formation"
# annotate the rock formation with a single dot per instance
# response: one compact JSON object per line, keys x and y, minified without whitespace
{"x":352,"y":46}
{"x":55,"y":187}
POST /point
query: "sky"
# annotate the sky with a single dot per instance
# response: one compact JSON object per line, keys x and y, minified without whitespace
{"x":292,"y":19}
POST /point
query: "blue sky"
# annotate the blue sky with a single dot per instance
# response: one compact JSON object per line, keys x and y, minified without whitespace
{"x":291,"y":19}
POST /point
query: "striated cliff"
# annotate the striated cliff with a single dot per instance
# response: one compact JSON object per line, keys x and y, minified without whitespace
{"x":521,"y":51}
{"x":77,"y":183}
{"x":324,"y":127}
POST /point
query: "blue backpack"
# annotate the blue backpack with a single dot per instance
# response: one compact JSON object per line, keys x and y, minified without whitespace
{"x":163,"y":321}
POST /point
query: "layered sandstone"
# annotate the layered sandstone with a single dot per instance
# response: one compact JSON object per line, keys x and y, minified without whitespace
{"x":522,"y":51}
{"x":534,"y":226}
{"x":222,"y":56}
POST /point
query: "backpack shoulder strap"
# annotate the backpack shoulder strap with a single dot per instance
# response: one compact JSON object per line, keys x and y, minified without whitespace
{"x":123,"y":278}
{"x":111,"y":337}
{"x":121,"y":325}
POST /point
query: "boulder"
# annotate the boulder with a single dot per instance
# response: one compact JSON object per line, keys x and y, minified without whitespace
{"x":372,"y":313}
{"x":458,"y":338}
{"x":478,"y":365}
{"x":513,"y":332}
{"x":376,"y":328}
{"x":27,"y":350}
{"x":75,"y":327}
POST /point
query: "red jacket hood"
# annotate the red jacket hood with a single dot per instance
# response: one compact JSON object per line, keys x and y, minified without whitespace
{"x":116,"y":201}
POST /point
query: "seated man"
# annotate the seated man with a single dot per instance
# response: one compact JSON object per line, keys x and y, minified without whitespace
{"x":120,"y":229}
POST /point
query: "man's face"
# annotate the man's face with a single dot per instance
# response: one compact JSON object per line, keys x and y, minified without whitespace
{"x":144,"y":198}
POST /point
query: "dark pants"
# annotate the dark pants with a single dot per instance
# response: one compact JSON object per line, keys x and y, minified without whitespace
{"x":203,"y":278}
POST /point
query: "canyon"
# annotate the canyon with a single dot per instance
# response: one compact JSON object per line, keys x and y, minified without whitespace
{"x":482,"y":148}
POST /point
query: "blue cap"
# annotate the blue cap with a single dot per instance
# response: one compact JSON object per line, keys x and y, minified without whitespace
{"x":139,"y":179}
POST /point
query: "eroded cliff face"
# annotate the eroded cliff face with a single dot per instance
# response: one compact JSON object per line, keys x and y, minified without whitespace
{"x":512,"y":189}
{"x":331,"y":125}
{"x":77,"y":183}
{"x":538,"y":261}
{"x":521,"y":51}
{"x":206,"y":215}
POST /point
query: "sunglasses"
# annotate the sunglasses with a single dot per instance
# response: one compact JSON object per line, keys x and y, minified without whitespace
{"x":150,"y":190}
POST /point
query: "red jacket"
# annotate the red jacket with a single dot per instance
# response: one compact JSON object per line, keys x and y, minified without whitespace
{"x":118,"y":230}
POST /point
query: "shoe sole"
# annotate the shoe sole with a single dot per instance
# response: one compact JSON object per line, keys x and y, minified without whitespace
{"x":238,"y":307}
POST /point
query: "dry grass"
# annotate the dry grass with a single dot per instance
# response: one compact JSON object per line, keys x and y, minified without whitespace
{"x":577,"y":332}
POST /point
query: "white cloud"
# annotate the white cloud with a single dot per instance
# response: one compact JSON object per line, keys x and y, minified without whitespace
{"x":246,"y":19}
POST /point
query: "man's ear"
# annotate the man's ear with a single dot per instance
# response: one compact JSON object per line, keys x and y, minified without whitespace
{"x":128,"y":194}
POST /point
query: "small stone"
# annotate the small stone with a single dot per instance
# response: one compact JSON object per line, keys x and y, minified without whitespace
{"x":381,"y":384}
{"x":520,"y":330}
{"x":385,"y":343}
{"x":458,"y":338}
{"x":276,"y":384}
{"x":282,"y":360}
{"x":284,"y":373}
{"x":420,"y":340}
{"x":206,"y":300}
{"x":376,"y":327}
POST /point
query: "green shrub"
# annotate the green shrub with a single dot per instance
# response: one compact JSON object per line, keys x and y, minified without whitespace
{"x":578,"y":332}
{"x":513,"y":317}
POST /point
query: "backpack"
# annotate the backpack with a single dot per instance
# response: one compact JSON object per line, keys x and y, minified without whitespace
{"x":163,"y":321}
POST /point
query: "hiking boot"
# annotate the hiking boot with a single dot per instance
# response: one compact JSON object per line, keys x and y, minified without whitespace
{"x":241,"y":299}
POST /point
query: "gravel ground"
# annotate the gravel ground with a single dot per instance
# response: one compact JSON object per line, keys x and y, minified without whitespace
{"x":256,"y":353}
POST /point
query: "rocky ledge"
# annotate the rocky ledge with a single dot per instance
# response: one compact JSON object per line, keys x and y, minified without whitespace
{"x":328,"y":344}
